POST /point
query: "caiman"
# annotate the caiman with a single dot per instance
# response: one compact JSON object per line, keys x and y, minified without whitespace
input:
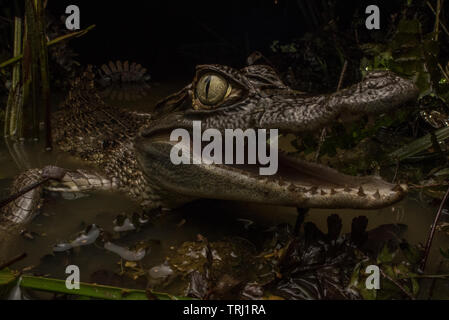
{"x":132,"y":150}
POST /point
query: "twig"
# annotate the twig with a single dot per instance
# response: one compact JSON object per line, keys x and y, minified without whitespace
{"x":48,"y":173}
{"x":320,"y":143}
{"x":396,"y":172}
{"x":437,"y":20}
{"x":397,"y":284}
{"x":342,"y":75}
{"x":49,"y":43}
{"x":441,"y":24}
{"x":323,"y":132}
{"x":432,"y":232}
{"x":12,"y":124}
{"x":22,"y":192}
{"x":12,"y":261}
{"x":429,"y":276}
{"x":443,"y":72}
{"x":423,"y":186}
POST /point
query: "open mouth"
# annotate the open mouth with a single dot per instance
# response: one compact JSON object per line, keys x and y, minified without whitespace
{"x":295,"y":183}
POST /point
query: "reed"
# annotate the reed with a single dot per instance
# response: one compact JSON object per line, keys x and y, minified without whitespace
{"x":8,"y":279}
{"x":13,"y":105}
{"x":44,"y":71}
{"x":29,"y":100}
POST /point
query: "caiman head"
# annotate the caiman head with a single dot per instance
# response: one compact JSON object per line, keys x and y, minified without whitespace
{"x":255,"y":98}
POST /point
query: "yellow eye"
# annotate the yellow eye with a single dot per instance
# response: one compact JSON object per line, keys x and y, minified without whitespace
{"x":212,"y":89}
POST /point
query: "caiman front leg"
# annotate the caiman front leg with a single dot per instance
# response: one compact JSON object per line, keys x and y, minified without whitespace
{"x":25,"y":207}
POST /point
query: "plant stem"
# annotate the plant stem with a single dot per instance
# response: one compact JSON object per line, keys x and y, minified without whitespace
{"x":441,"y":24}
{"x":437,"y":20}
{"x":30,"y":71}
{"x":13,"y":103}
{"x":75,"y":34}
{"x":404,"y":290}
{"x":323,"y":132}
{"x":44,"y":77}
{"x":22,"y":192}
{"x":12,"y":261}
{"x":432,"y":232}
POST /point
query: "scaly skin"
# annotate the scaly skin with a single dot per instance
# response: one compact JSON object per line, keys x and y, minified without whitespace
{"x":131,"y":150}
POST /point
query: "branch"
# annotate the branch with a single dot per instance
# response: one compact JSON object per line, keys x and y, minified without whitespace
{"x":432,"y":232}
{"x":75,"y":34}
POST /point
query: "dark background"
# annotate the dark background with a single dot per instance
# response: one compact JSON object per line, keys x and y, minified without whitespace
{"x":171,"y":37}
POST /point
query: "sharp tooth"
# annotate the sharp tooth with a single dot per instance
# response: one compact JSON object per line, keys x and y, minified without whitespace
{"x":397,"y":188}
{"x":333,"y":191}
{"x":323,"y":192}
{"x":361,"y":193}
{"x":376,"y":194}
{"x":313,"y":190}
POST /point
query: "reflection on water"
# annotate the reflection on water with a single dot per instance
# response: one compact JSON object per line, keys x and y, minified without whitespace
{"x":61,"y":219}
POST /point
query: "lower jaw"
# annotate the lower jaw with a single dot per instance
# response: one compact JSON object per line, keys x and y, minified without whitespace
{"x":283,"y":192}
{"x":297,"y":183}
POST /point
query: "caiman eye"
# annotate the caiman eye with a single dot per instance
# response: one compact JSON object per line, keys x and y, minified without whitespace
{"x":212,"y":89}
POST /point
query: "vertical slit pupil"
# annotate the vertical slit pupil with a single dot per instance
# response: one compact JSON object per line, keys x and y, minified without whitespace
{"x":208,"y":80}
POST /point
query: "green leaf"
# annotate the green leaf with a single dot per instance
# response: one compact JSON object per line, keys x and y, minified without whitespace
{"x":355,"y":275}
{"x":86,"y":289}
{"x":357,"y":282}
{"x":415,"y":286}
{"x":370,"y":294}
{"x":418,"y":145}
{"x":7,"y":281}
{"x":385,"y":256}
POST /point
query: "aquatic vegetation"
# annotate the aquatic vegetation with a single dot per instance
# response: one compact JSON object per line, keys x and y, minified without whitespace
{"x":9,"y":279}
{"x":29,"y":93}
{"x":332,"y":266}
{"x":308,"y":265}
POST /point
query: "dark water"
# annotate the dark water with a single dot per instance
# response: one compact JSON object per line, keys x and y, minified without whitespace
{"x":62,"y":219}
